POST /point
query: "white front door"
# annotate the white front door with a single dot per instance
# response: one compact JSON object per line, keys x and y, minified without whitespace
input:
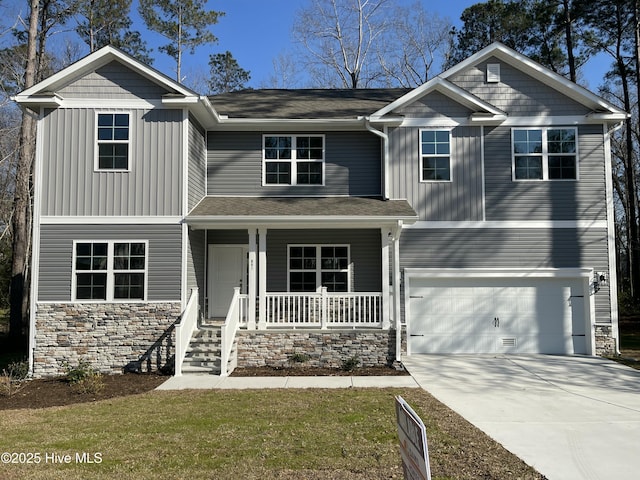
{"x":227,"y":269}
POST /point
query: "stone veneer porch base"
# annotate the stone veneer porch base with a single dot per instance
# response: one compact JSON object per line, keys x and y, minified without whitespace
{"x":110,"y":337}
{"x":322,"y":348}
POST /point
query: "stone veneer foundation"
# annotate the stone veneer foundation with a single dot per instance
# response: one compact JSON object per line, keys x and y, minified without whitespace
{"x":321,"y":348}
{"x":605,"y":342}
{"x":110,"y":337}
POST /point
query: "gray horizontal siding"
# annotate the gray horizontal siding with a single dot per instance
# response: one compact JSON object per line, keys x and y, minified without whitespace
{"x":153,"y":186}
{"x":365,"y":250}
{"x":352,"y":165}
{"x":197,"y":163}
{"x":545,"y":200}
{"x":516,"y":93}
{"x":113,"y":81}
{"x":460,"y":199}
{"x":510,"y":248}
{"x":56,"y":257}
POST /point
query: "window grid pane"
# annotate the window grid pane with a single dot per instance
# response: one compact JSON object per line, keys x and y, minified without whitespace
{"x":545,"y":154}
{"x":104,"y":273}
{"x":303,"y":157}
{"x":436,"y":155}
{"x":113,"y":136}
{"x":309,"y":173}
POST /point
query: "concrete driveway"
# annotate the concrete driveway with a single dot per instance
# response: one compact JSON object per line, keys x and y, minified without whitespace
{"x":568,"y":417}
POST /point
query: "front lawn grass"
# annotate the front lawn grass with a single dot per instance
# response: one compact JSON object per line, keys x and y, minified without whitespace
{"x":251,"y":434}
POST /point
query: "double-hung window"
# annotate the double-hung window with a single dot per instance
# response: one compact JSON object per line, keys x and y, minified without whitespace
{"x":110,"y":270}
{"x":545,"y":154}
{"x":435,"y":155}
{"x":293,"y":159}
{"x":112,"y":138}
{"x":314,"y":266}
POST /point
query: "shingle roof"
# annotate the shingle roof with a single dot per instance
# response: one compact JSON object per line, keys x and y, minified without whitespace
{"x":304,"y":104}
{"x":322,"y":208}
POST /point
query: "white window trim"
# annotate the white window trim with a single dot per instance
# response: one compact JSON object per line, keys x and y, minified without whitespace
{"x":544,"y":154}
{"x":421,"y":155}
{"x":96,"y":156}
{"x":293,"y":160}
{"x":110,"y":271}
{"x":318,"y":269}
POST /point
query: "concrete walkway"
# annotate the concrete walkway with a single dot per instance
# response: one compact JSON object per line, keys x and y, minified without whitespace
{"x":206,"y":381}
{"x":568,"y":417}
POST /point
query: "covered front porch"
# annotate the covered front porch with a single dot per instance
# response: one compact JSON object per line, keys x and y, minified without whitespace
{"x":280,"y":263}
{"x":298,"y":263}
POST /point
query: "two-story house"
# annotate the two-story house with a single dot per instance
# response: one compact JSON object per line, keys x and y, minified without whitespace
{"x":473,"y":214}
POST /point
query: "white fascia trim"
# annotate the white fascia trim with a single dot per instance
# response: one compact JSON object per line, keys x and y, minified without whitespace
{"x":534,"y":121}
{"x":100,"y":58}
{"x":299,"y":222}
{"x":110,"y":220}
{"x":498,"y":272}
{"x":498,"y":224}
{"x":441,"y":85}
{"x":546,"y":76}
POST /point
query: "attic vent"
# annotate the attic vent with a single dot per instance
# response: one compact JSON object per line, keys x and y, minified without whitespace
{"x":508,"y":342}
{"x":493,"y":72}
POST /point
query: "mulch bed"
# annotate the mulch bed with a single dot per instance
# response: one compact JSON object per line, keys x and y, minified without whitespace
{"x":51,"y":392}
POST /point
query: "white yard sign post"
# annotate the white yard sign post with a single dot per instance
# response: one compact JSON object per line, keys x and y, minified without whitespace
{"x":413,"y":442}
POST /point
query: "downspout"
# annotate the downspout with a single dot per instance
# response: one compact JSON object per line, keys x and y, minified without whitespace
{"x":385,"y":156}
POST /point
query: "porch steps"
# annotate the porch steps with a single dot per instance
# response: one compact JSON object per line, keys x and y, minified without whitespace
{"x":203,"y":353}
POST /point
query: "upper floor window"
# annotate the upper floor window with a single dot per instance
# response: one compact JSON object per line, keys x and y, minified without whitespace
{"x":314,"y":266}
{"x":113,"y":141}
{"x":435,"y":155}
{"x":109,"y":270}
{"x":545,"y":154}
{"x":293,"y":160}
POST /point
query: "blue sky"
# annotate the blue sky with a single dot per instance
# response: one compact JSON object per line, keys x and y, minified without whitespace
{"x":257,"y":31}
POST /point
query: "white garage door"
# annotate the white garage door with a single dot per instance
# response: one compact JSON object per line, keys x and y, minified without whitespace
{"x":497,"y":315}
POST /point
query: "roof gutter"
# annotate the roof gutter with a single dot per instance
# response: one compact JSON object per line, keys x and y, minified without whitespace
{"x":385,"y":155}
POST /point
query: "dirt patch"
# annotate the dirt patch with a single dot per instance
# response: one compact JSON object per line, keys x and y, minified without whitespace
{"x":51,"y":392}
{"x":302,"y":371}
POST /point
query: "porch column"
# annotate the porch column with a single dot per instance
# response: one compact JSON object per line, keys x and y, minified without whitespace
{"x":262,"y":278}
{"x":252,"y":281}
{"x":396,"y":289}
{"x":386,"y":240}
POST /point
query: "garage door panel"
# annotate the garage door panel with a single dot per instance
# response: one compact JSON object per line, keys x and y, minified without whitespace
{"x":505,"y":315}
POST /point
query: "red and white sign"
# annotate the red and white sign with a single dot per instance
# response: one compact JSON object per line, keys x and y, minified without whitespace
{"x":413,"y":442}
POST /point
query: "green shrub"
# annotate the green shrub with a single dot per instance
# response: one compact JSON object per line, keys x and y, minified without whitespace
{"x":299,"y":358}
{"x":351,"y":363}
{"x":83,"y":378}
{"x":18,"y":370}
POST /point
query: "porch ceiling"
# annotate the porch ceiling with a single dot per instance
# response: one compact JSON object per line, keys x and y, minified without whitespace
{"x":299,"y":211}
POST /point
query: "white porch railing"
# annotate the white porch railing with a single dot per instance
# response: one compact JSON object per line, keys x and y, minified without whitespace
{"x":184,"y":330}
{"x":323,"y":309}
{"x":235,"y":315}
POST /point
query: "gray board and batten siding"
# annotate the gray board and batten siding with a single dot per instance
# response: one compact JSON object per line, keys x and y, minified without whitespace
{"x":72,"y":187}
{"x":197,"y":163}
{"x":56,"y":257}
{"x":583,"y":199}
{"x":457,"y":200}
{"x":352,"y":166}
